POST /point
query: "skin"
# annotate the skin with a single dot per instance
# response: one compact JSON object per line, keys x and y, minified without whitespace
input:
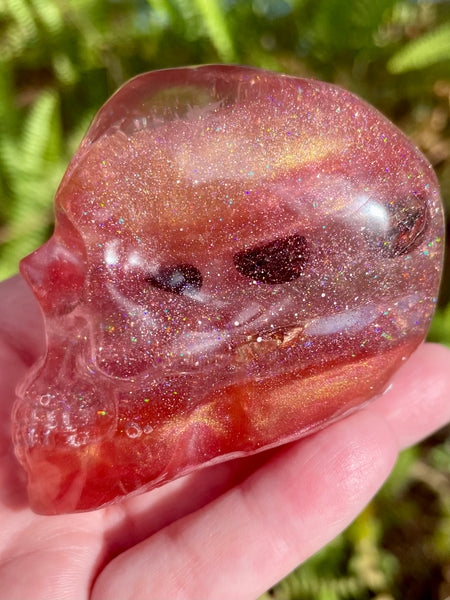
{"x":230,"y":531}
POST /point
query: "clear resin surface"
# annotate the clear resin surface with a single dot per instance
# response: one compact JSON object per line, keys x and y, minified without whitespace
{"x":239,"y":258}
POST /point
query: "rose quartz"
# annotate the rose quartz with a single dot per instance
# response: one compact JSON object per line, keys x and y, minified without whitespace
{"x":239,"y":258}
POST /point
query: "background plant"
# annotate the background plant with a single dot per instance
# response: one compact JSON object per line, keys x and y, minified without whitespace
{"x":61,"y":59}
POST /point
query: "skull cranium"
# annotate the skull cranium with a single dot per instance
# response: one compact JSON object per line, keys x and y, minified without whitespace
{"x":239,"y":257}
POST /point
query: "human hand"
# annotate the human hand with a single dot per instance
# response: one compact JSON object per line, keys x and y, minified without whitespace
{"x":228,"y":531}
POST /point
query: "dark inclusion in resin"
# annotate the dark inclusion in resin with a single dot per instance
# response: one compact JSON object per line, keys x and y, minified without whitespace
{"x":239,"y":258}
{"x":279,"y":261}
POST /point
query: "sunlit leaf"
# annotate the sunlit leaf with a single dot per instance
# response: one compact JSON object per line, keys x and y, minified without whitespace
{"x":214,"y":17}
{"x":429,"y":49}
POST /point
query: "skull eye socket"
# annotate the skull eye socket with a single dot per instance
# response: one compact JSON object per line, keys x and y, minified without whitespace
{"x":178,"y":279}
{"x":279,"y":261}
{"x":410,"y":220}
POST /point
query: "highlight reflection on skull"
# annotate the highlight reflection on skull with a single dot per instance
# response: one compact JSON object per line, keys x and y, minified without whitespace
{"x":239,"y":258}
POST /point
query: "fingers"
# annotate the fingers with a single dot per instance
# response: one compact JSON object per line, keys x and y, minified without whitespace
{"x":21,"y":335}
{"x":21,"y":342}
{"x":243,"y":542}
{"x":21,"y":324}
{"x":418,"y":402}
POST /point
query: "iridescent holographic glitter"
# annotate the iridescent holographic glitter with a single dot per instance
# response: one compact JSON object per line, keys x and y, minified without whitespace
{"x":239,"y":258}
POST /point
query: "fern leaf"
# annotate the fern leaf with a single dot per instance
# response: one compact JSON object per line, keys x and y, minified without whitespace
{"x":163,"y":10}
{"x":32,"y":167}
{"x":208,"y":17}
{"x":10,"y":158}
{"x":22,"y":15}
{"x":8,"y":110}
{"x":440,"y":327}
{"x":215,"y":22}
{"x":37,"y":131}
{"x":64,"y":69}
{"x":20,"y":29}
{"x":11,"y":251}
{"x":49,"y":15}
{"x":431,"y":48}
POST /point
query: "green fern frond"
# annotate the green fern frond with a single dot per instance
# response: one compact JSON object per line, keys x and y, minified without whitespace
{"x":64,"y":69}
{"x":440,"y":327}
{"x":8,"y":111}
{"x":187,"y":11}
{"x":306,"y":584}
{"x":39,"y":131}
{"x":49,"y":15}
{"x":215,"y":22}
{"x":429,"y":49}
{"x":207,"y":18}
{"x":10,"y":158}
{"x":32,"y":167}
{"x":20,"y":247}
{"x":22,"y":15}
{"x":163,"y":10}
{"x":338,"y":27}
{"x":369,"y":14}
{"x":19,"y":30}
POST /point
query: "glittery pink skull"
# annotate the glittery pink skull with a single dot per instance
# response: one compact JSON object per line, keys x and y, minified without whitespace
{"x":239,"y":258}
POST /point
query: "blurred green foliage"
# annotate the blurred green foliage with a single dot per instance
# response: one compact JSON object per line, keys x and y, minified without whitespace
{"x":61,"y":59}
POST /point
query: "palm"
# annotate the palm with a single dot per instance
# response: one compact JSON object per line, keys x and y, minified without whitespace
{"x":228,"y":531}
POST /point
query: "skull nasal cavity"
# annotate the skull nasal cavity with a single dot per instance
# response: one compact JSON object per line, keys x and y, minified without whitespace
{"x":278,"y":261}
{"x":178,"y":279}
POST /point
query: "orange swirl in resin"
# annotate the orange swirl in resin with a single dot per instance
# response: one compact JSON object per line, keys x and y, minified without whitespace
{"x":239,"y":258}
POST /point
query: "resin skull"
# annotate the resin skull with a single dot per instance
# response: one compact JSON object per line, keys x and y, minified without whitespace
{"x":239,"y":258}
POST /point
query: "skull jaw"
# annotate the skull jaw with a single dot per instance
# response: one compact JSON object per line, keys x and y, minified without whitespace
{"x":235,"y":421}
